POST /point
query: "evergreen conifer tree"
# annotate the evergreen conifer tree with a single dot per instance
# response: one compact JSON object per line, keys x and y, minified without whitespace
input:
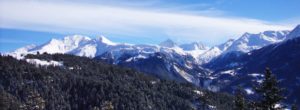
{"x":294,"y":107}
{"x":270,"y":92}
{"x":239,"y":101}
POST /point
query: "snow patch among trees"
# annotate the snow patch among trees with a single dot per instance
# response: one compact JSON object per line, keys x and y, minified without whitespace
{"x":38,"y":62}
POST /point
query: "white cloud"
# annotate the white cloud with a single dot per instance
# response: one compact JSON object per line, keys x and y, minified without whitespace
{"x":66,"y":17}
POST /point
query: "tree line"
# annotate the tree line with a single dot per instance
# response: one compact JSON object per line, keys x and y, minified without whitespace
{"x":85,"y":84}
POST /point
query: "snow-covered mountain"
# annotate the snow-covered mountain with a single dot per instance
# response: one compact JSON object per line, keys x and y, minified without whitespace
{"x":194,"y":49}
{"x":76,"y":44}
{"x":24,"y":49}
{"x":247,"y":69}
{"x":294,"y":33}
{"x":175,"y":62}
{"x":165,"y":63}
{"x":65,"y":45}
{"x":213,"y":52}
{"x":193,"y":46}
{"x":166,"y":60}
{"x":247,"y":42}
{"x":219,"y":68}
{"x":85,"y":46}
{"x":168,"y":43}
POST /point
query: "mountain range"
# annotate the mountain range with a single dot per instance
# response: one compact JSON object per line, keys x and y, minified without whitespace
{"x":218,"y":68}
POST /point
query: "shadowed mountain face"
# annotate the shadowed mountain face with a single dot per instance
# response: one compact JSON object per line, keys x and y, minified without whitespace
{"x":282,"y":58}
{"x":174,"y":66}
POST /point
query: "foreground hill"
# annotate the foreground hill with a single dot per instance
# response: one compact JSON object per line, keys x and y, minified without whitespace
{"x":61,"y":82}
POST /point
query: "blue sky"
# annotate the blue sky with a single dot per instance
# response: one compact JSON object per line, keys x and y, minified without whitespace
{"x":148,"y":21}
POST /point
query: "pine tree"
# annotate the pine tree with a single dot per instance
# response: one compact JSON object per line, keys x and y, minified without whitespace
{"x":294,"y":107}
{"x":107,"y":105}
{"x":239,"y":101}
{"x":270,"y":92}
{"x":205,"y":100}
{"x":3,"y":101}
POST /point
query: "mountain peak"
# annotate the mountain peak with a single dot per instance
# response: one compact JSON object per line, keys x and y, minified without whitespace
{"x":230,"y":40}
{"x":295,"y":32}
{"x":246,"y":34}
{"x":249,"y":41}
{"x":227,"y":44}
{"x":298,"y":26}
{"x":193,"y":46}
{"x":270,"y":33}
{"x":104,"y":40}
{"x":168,"y":43}
{"x":25,"y":49}
{"x":71,"y":40}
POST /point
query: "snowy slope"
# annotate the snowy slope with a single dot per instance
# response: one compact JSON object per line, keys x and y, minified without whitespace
{"x":248,"y":42}
{"x":179,"y":62}
{"x":214,"y":52}
{"x":294,"y":33}
{"x":64,"y":45}
{"x":168,"y":53}
{"x":76,"y":44}
{"x":194,"y":49}
{"x":193,"y":46}
{"x":168,"y":43}
{"x":85,"y":46}
{"x":282,"y":58}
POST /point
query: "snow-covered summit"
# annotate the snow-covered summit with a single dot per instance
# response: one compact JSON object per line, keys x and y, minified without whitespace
{"x":193,"y":46}
{"x":75,"y":38}
{"x":64,"y":45}
{"x":248,"y":41}
{"x":25,"y":49}
{"x":214,"y":51}
{"x":168,"y":43}
{"x":225,"y":45}
{"x":92,"y":47}
{"x":295,"y":32}
{"x":194,"y":49}
{"x":106,"y":41}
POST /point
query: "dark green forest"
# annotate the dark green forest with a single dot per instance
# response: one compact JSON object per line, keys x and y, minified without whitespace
{"x":85,"y":84}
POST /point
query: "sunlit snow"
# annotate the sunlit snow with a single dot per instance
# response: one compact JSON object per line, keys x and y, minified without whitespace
{"x":38,"y":62}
